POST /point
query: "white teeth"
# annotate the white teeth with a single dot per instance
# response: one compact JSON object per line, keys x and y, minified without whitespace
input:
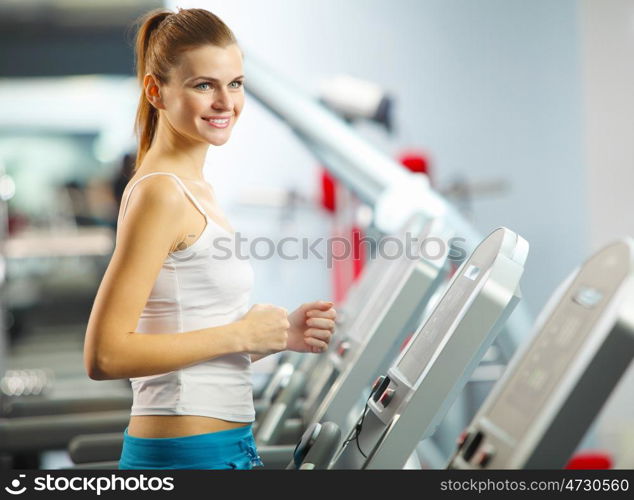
{"x":219,"y":121}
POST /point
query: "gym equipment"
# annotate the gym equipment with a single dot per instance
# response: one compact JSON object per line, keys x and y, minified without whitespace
{"x":407,"y":404}
{"x":5,"y":194}
{"x":356,"y":99}
{"x":555,"y":386}
{"x":391,"y":192}
{"x":392,"y":310}
{"x":46,"y":397}
{"x":367,"y":288}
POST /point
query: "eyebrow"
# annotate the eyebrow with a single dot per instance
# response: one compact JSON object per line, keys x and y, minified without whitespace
{"x":211,"y":78}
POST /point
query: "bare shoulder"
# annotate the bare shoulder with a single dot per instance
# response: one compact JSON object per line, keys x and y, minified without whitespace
{"x":155,"y":204}
{"x":159,"y":190}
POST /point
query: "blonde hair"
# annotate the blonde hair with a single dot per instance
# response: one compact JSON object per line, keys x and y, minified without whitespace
{"x":161,"y":37}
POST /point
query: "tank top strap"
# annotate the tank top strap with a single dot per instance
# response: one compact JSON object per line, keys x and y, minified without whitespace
{"x":180,"y":182}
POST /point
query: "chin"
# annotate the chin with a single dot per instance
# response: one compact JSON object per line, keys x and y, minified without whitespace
{"x":218,"y":142}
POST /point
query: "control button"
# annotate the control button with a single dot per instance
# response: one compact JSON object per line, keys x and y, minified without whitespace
{"x":472,"y":272}
{"x":462,"y":439}
{"x":472,"y":445}
{"x":343,"y":348}
{"x":484,"y":457}
{"x":377,"y":382}
{"x":384,"y":383}
{"x":587,"y":297}
{"x":386,"y":397}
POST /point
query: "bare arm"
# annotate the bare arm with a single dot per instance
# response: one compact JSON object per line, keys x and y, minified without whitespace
{"x":149,"y":230}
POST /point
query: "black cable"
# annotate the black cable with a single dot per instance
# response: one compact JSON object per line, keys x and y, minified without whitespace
{"x":358,"y":427}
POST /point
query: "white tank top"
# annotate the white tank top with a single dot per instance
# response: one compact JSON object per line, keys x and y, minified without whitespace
{"x":198,"y":287}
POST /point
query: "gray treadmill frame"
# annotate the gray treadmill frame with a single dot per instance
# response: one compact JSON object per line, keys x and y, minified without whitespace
{"x":377,"y":349}
{"x":604,"y":337}
{"x":390,"y":434}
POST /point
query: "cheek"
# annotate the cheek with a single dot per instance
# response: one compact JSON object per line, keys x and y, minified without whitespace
{"x":178,"y":109}
{"x":187,"y":103}
{"x":193,"y":105}
{"x":238,"y":104}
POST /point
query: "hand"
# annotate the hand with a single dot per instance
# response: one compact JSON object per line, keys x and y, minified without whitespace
{"x":266,"y":329}
{"x":311,"y":327}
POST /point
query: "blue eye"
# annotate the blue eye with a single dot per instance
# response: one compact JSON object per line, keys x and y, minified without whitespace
{"x":239,"y":82}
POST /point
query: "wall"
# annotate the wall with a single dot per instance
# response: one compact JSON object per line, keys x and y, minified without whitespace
{"x":491,"y":89}
{"x":608,"y":103}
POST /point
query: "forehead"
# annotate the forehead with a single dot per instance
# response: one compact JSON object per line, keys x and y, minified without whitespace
{"x":224,"y":63}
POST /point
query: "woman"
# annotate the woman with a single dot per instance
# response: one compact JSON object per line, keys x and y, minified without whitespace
{"x":193,"y":404}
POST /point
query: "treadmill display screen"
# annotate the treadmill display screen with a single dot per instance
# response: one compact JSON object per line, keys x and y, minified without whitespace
{"x":384,"y":300}
{"x":449,"y":310}
{"x":557,"y":344}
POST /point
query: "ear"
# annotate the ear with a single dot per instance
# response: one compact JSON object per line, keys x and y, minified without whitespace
{"x":153,"y":91}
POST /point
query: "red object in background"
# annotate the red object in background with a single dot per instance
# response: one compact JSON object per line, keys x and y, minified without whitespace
{"x":590,"y":460}
{"x":16,"y":223}
{"x":339,"y":280}
{"x":358,"y":252}
{"x":416,"y":161}
{"x":328,"y":188}
{"x":453,"y":267}
{"x":406,"y":341}
{"x":346,"y":270}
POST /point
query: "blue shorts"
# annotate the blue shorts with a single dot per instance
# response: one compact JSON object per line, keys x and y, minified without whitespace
{"x":230,"y":449}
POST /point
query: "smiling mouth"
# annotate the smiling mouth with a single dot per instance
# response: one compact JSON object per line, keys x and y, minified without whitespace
{"x":218,"y":122}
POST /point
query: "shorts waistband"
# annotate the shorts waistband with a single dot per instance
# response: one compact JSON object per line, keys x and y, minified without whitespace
{"x":232,"y":448}
{"x":220,"y":440}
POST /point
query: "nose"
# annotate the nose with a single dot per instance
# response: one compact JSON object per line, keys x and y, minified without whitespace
{"x":222,"y":100}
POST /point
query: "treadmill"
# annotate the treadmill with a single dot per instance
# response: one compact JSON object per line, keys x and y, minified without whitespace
{"x":556,"y":385}
{"x":407,"y":404}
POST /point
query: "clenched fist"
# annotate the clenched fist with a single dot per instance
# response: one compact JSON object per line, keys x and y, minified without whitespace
{"x":311,"y":327}
{"x":266,"y":329}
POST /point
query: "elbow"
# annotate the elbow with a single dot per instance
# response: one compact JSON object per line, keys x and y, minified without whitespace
{"x":104,"y":361}
{"x":95,"y":371}
{"x":96,"y":375}
{"x":97,"y":368}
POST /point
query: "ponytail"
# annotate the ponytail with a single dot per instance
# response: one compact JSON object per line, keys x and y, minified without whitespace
{"x":146,"y":115}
